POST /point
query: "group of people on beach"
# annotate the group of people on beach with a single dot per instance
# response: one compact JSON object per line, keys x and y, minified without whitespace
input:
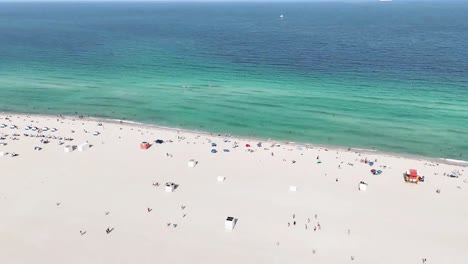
{"x":316,"y":227}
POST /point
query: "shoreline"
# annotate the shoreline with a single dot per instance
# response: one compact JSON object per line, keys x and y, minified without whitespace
{"x":448,"y":161}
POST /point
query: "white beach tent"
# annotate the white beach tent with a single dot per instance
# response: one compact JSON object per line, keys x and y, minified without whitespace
{"x":221,"y":178}
{"x":192,"y":163}
{"x":362,"y":186}
{"x":169,"y":187}
{"x":230,"y":223}
{"x":68,"y":148}
{"x":83,"y":146}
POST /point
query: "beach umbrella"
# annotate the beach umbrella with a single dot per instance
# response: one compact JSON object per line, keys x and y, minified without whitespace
{"x":214,"y":151}
{"x":247,"y":145}
{"x":226,"y":150}
{"x":373,"y":170}
{"x":213,"y":144}
{"x":371,"y":163}
{"x":379,"y":172}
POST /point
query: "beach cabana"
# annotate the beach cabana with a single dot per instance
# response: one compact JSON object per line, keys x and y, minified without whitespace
{"x":84,"y":146}
{"x":230,"y":223}
{"x":192,"y":163}
{"x":412,"y":176}
{"x":145,"y":145}
{"x":221,"y":178}
{"x":362,"y":186}
{"x":68,"y":148}
{"x":169,"y":187}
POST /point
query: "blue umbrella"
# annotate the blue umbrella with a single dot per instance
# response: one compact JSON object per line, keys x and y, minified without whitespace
{"x":214,"y":151}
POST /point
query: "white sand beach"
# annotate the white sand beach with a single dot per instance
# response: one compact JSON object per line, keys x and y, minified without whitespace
{"x":56,"y":206}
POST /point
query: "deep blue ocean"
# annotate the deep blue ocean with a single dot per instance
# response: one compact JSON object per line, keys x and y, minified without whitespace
{"x":387,"y":76}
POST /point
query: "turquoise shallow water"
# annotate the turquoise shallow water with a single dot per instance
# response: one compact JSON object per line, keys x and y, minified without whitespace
{"x":390,"y":77}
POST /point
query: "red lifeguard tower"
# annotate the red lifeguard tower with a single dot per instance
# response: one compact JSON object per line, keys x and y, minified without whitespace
{"x":412,"y":176}
{"x":145,"y":145}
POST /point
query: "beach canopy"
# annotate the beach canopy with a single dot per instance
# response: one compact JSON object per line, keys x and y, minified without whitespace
{"x":413,"y":173}
{"x":145,"y":145}
{"x":159,"y":141}
{"x":213,"y":144}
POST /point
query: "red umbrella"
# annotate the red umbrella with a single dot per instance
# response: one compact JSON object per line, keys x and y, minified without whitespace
{"x":247,"y":145}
